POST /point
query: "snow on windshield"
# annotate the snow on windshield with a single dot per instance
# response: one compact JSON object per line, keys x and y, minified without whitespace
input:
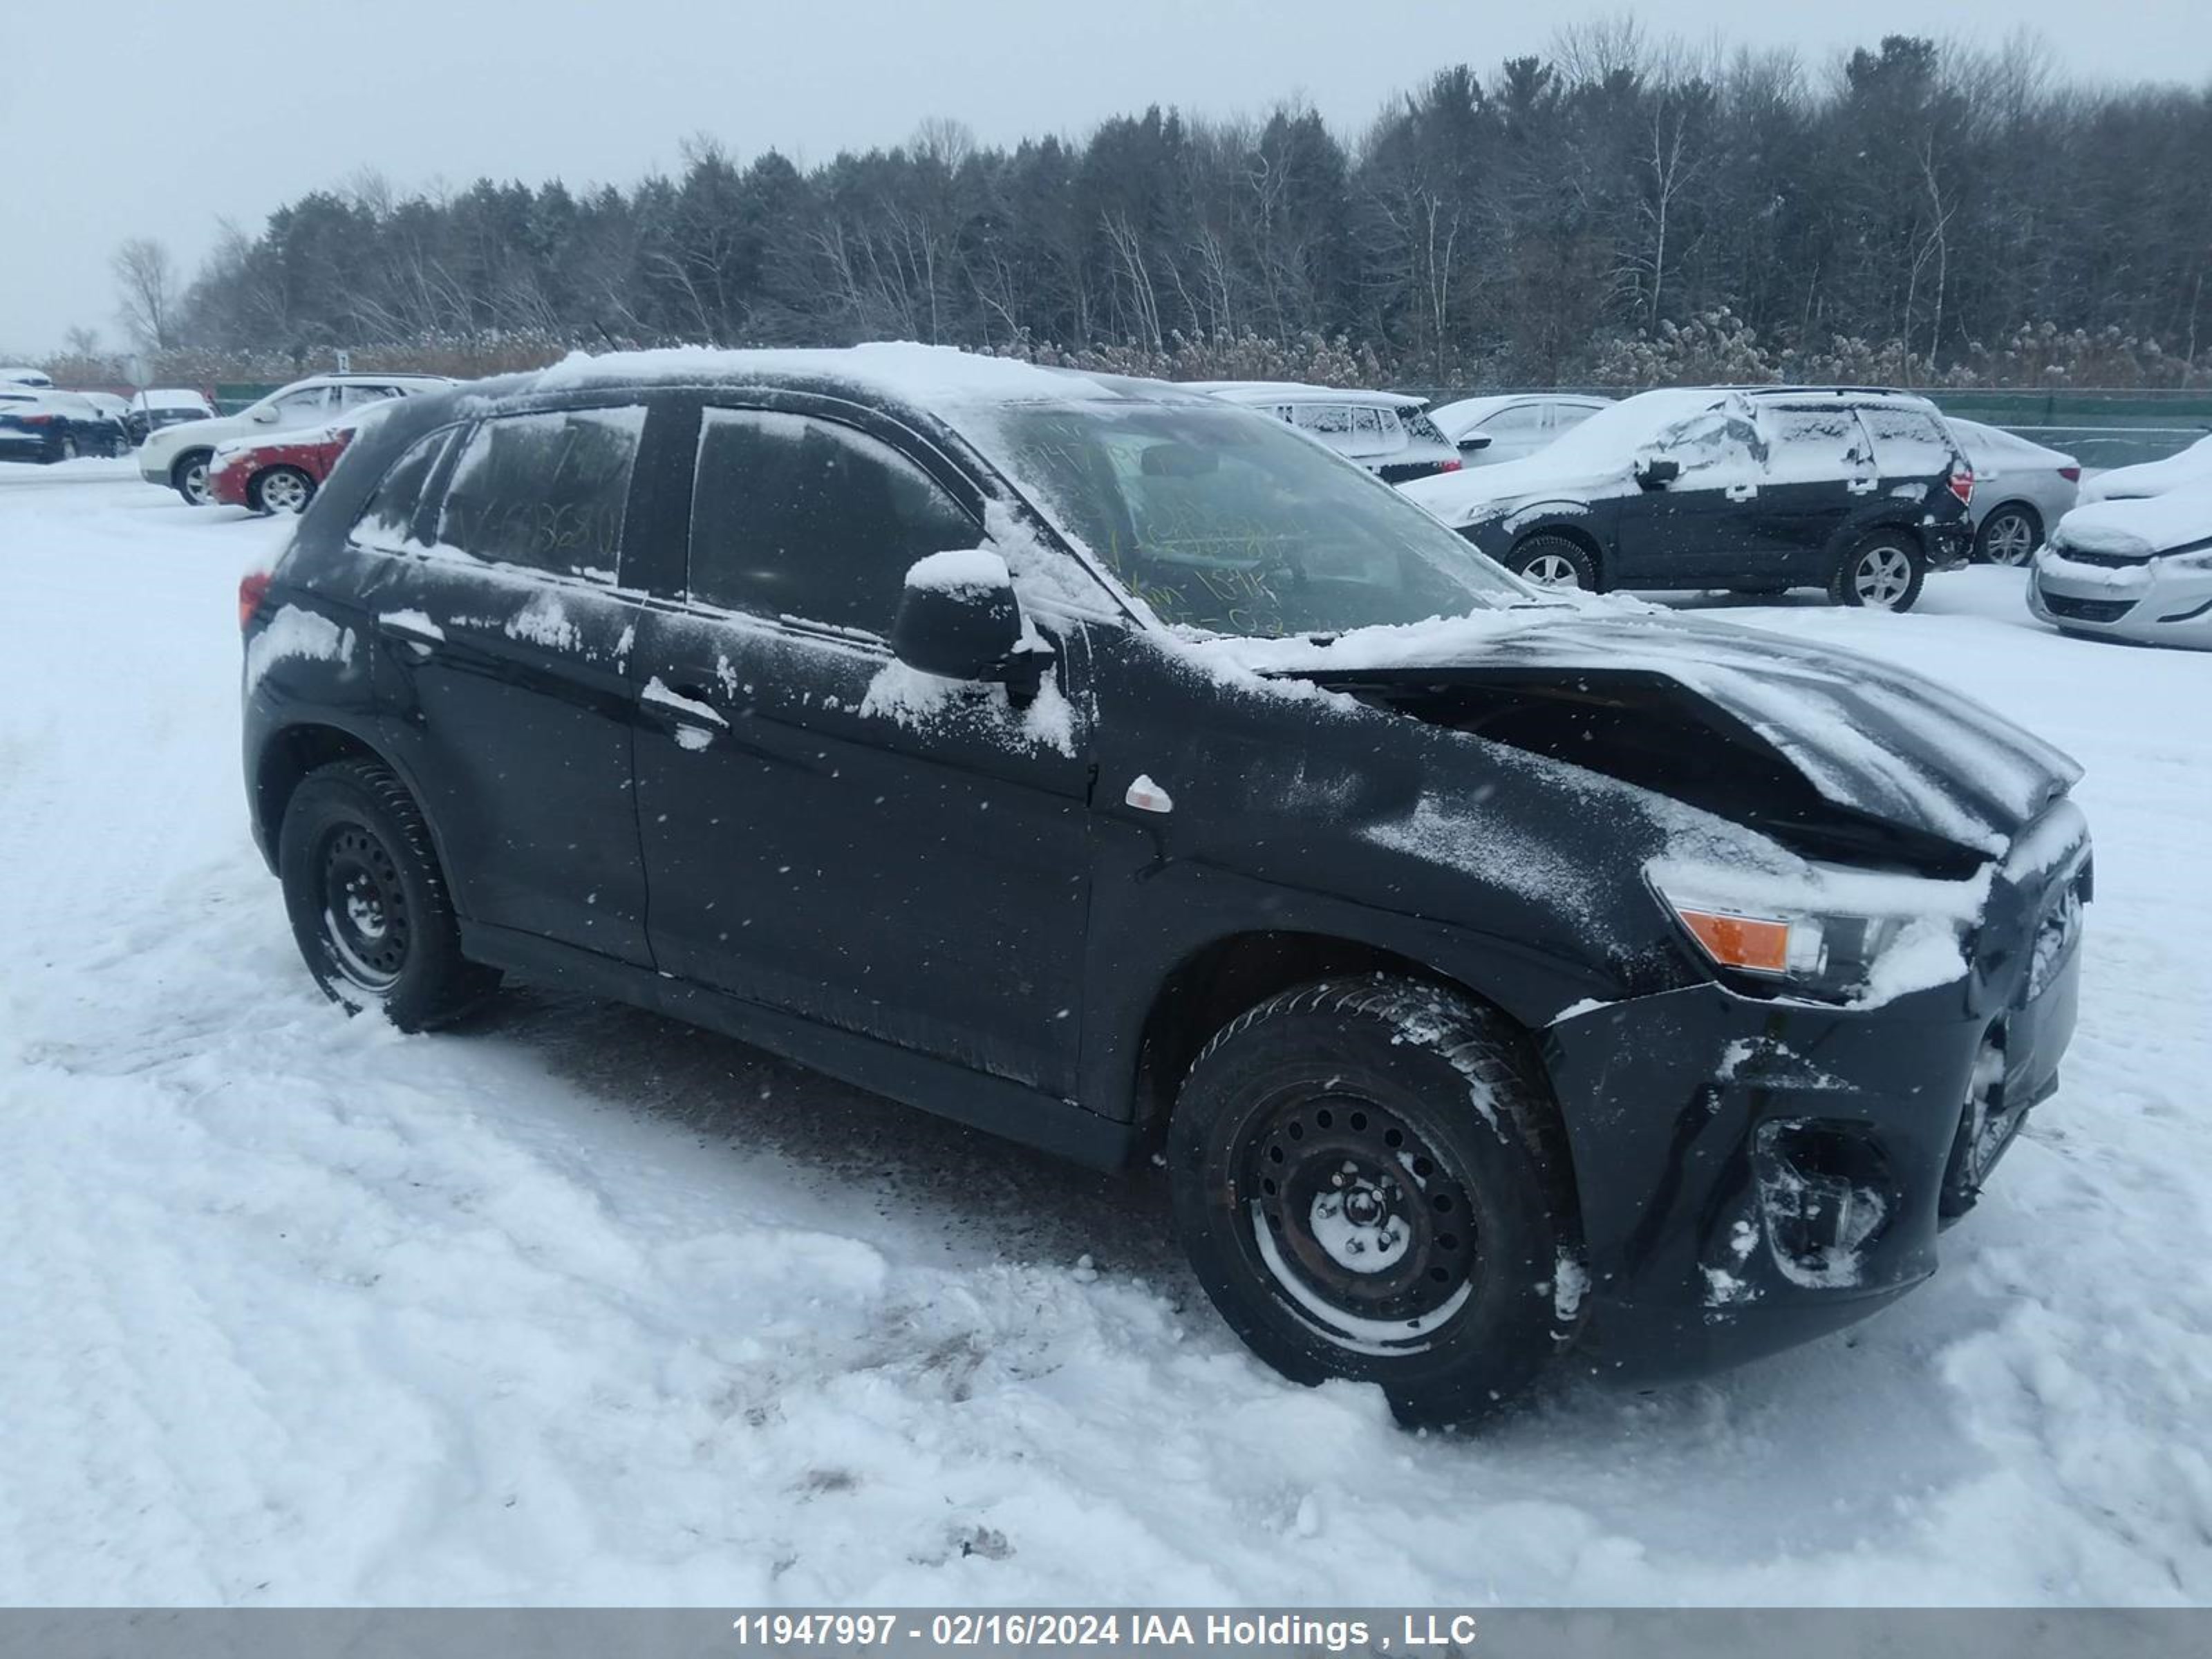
{"x":1226,"y":522}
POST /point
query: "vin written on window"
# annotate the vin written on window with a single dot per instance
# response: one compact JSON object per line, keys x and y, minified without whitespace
{"x":546,"y":492}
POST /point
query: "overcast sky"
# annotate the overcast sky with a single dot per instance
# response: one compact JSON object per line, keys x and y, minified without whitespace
{"x":143,"y":117}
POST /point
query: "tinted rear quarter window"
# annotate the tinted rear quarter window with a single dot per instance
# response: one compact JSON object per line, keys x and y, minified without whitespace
{"x":794,"y":517}
{"x":548,"y":492}
{"x":1908,"y":443}
{"x":387,"y":522}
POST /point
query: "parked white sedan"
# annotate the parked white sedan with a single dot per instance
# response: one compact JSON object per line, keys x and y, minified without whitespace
{"x":2146,"y":478}
{"x":2138,"y":569}
{"x":1488,"y":430}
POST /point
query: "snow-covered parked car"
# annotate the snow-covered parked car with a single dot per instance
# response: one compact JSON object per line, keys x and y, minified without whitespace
{"x":281,"y":473}
{"x":177,"y":457}
{"x":1857,"y":492}
{"x":2146,"y":478}
{"x":22,"y":374}
{"x":2137,"y":568}
{"x":1506,"y":427}
{"x":159,"y":406}
{"x":1384,"y":432}
{"x":40,"y":424}
{"x":2021,"y":489}
{"x":1506,"y":981}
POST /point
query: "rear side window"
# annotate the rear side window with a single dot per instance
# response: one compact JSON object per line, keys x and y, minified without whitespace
{"x":548,"y":492}
{"x":387,"y":523}
{"x":797,"y":518}
{"x":1908,"y":443}
{"x":1812,"y":442}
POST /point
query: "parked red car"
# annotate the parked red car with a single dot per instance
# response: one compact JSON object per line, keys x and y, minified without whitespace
{"x":279,"y":473}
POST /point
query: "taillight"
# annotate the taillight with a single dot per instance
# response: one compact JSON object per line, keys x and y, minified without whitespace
{"x":252,"y":589}
{"x":1962,"y":486}
{"x":2071,"y":474}
{"x":1451,"y":466}
{"x":38,"y":420}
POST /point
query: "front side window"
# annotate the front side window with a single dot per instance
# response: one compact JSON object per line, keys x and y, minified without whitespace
{"x":302,"y":407}
{"x":1519,"y":420}
{"x":355,"y":396}
{"x":548,"y":492}
{"x":1229,"y":525}
{"x":1718,"y":446}
{"x":805,"y":519}
{"x":387,"y":522}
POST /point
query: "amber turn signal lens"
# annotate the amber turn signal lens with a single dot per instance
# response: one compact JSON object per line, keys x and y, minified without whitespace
{"x":1756,"y":946}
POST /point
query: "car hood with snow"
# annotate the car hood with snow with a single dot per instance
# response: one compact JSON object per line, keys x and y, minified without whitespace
{"x":1894,"y":763}
{"x":2178,"y":520}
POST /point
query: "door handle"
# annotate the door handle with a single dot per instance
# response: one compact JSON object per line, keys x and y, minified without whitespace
{"x":685,"y":705}
{"x":413,"y":629}
{"x":1740,"y":492}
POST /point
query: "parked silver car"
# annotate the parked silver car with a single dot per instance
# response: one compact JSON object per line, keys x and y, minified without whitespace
{"x":2021,"y":489}
{"x":2138,"y":569}
{"x":1384,"y":432}
{"x":1487,"y":430}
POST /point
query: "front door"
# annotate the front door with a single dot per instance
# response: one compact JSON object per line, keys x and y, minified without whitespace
{"x":1702,"y":527}
{"x":825,"y":830}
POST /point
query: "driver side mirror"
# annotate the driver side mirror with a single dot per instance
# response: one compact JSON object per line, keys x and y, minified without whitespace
{"x":262,"y":414}
{"x":958,"y":619}
{"x":1475,"y":440}
{"x":1657,"y":475}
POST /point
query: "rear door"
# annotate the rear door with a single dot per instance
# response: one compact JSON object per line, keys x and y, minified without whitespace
{"x":1819,"y":472}
{"x":826,"y":831}
{"x":511,"y":637}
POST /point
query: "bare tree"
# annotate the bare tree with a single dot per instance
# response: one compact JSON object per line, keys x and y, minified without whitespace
{"x":148,"y":293}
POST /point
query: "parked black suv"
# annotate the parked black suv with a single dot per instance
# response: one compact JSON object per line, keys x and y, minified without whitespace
{"x":1856,"y":490}
{"x":1085,"y":760}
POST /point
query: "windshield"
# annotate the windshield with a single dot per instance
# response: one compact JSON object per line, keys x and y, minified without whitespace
{"x":1226,"y":521}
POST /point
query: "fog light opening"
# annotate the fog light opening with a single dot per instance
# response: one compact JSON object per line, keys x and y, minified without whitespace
{"x":1825,"y":1194}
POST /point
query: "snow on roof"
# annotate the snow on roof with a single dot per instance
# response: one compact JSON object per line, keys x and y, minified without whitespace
{"x":170,"y":398}
{"x":918,"y":373}
{"x":2140,"y":525}
{"x":1270,"y":391}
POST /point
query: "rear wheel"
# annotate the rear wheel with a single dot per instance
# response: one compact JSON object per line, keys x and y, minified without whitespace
{"x":1370,"y":1183}
{"x":2008,"y":535}
{"x":1884,"y":572}
{"x":280,"y":489}
{"x":189,"y":477}
{"x":368,"y":903}
{"x":1554,"y":561}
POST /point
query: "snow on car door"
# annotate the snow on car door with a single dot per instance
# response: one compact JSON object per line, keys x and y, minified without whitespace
{"x":826,"y":831}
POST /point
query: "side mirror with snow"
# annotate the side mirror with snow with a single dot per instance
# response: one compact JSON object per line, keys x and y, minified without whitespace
{"x":958,"y":619}
{"x":1657,"y":475}
{"x":262,"y":414}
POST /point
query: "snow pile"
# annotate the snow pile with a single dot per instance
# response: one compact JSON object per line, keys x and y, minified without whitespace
{"x":922,"y":374}
{"x":578,"y":1306}
{"x":293,"y":632}
{"x":963,"y":571}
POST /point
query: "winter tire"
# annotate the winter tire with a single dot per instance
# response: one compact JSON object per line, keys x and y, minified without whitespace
{"x":1884,"y":572}
{"x":281,"y":490}
{"x":2008,"y":535}
{"x":1370,"y":1183}
{"x":189,"y":477}
{"x":1554,"y":561}
{"x":367,"y":904}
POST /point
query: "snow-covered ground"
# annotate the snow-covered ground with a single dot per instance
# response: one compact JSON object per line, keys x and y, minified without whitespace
{"x":581,"y":1306}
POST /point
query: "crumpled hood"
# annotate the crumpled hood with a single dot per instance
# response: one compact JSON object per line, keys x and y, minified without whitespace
{"x":1877,"y":740}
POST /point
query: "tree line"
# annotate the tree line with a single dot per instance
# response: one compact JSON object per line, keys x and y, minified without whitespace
{"x":1621,"y":209}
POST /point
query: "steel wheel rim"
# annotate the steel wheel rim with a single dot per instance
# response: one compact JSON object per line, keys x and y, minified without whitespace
{"x":365,"y":920}
{"x":2008,"y":543}
{"x":1552,"y":570}
{"x":1881,"y":577}
{"x":1350,"y":1213}
{"x":284,"y":492}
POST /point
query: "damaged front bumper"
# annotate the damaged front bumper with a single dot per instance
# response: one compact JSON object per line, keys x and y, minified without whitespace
{"x":1754,"y":1173}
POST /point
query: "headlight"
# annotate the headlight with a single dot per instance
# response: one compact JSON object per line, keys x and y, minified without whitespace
{"x":1826,"y":935}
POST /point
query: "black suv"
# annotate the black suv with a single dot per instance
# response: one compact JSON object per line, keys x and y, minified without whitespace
{"x":1503,"y":977}
{"x":1858,"y":490}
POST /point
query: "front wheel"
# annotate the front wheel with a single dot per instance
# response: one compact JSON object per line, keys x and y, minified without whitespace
{"x":280,"y":489}
{"x":1554,"y":561}
{"x":1370,"y":1183}
{"x":1884,"y":572}
{"x":189,"y":477}
{"x":368,"y":903}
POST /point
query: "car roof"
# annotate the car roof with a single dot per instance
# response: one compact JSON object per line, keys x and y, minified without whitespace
{"x":1273,"y":391}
